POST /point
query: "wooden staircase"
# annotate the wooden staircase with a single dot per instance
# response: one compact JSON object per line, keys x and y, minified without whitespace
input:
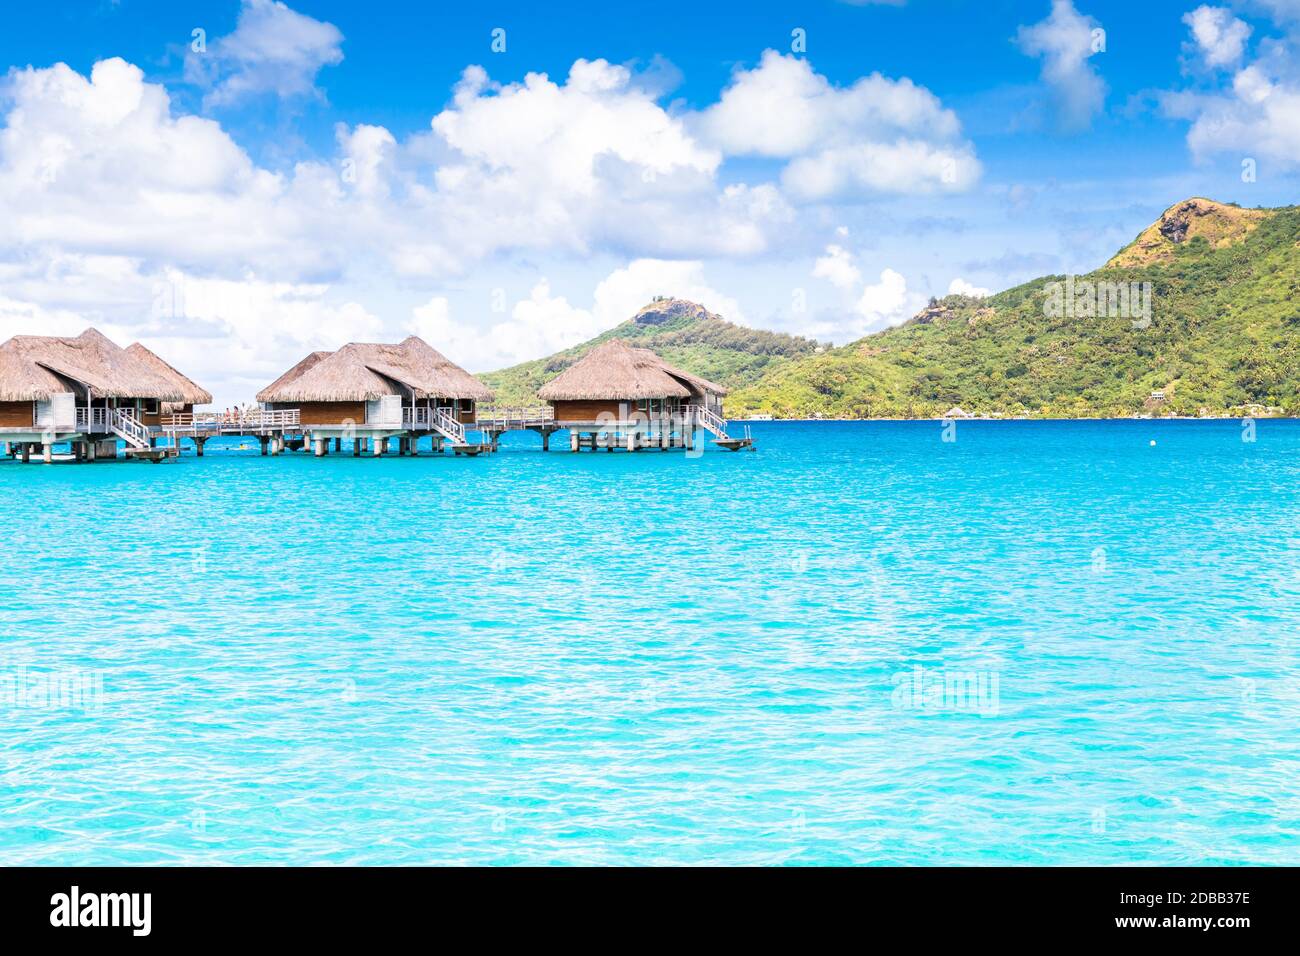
{"x":717,"y":426}
{"x":454,"y":431}
{"x":137,"y":436}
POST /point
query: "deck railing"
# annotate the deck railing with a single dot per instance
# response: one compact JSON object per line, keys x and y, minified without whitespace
{"x":96,"y":421}
{"x":129,"y":428}
{"x":417,"y":418}
{"x":449,"y":426}
{"x":252,"y":420}
{"x":710,"y":417}
{"x":506,"y":417}
{"x":442,"y":419}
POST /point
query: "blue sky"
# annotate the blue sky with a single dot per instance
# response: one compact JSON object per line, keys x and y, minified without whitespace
{"x":308,"y":175}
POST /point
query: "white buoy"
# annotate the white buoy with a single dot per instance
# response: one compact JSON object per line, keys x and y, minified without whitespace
{"x":1153,"y":443}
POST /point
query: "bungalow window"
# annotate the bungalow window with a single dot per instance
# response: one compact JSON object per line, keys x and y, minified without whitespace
{"x":467,"y":404}
{"x":150,"y":406}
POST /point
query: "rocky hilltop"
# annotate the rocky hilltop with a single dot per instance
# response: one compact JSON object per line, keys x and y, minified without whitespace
{"x":1215,"y":223}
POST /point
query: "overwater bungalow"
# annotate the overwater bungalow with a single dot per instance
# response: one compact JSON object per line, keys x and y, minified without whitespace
{"x":621,"y":396}
{"x":88,"y":392}
{"x":369,"y":394}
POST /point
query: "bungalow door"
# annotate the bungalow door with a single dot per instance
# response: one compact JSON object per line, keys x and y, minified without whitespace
{"x":385,"y":411}
{"x":59,"y":414}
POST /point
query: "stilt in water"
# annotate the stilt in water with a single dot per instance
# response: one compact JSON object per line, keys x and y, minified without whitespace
{"x":47,"y":453}
{"x":198,"y":446}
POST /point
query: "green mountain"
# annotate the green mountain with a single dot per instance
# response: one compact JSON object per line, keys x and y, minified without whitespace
{"x":1199,"y":315}
{"x":685,"y":334}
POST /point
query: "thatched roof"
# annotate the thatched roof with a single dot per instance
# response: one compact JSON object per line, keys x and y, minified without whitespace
{"x":295,"y":373}
{"x":616,"y":370}
{"x":191,"y":393}
{"x":21,"y":381}
{"x":91,"y":361}
{"x":365,"y":372}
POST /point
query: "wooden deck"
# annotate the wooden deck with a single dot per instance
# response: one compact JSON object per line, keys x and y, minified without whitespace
{"x":251,"y":423}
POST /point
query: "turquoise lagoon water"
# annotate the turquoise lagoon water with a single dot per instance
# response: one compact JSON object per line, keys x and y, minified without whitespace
{"x":612,"y":658}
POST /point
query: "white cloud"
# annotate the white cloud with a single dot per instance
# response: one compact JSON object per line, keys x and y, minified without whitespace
{"x":838,"y":268}
{"x":1260,"y":120}
{"x":366,"y":152}
{"x":1220,"y":37}
{"x":887,"y":302}
{"x":274,"y":50}
{"x":960,"y":286}
{"x":99,"y":165}
{"x":907,"y":166}
{"x":21,"y":318}
{"x":1066,"y":41}
{"x":1257,"y":114}
{"x":877,"y":135}
{"x":865,"y":307}
{"x":783,"y":108}
{"x":594,"y":161}
{"x":537,"y":326}
{"x":559,"y":134}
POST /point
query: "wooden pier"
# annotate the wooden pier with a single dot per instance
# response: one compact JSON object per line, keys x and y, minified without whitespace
{"x":274,"y":430}
{"x":625,"y":429}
